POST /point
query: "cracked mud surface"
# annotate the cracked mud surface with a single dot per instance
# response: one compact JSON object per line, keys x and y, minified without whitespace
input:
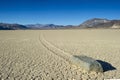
{"x":24,"y":57}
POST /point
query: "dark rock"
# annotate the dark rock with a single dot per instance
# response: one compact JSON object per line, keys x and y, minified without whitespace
{"x":87,"y":63}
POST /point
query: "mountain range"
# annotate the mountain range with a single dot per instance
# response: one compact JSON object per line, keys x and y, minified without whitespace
{"x":7,"y":26}
{"x":91,"y":23}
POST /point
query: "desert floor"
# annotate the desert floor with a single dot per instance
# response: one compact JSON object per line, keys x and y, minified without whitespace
{"x":38,"y":54}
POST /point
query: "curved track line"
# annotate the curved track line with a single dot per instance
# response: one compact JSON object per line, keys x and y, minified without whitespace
{"x":54,"y":49}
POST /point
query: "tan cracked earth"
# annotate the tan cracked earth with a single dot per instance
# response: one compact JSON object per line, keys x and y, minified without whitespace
{"x":25,"y":55}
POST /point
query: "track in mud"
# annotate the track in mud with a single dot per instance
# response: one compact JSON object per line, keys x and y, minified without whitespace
{"x":54,"y":49}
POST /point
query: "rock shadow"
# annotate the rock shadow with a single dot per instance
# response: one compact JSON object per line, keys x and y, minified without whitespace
{"x":106,"y":66}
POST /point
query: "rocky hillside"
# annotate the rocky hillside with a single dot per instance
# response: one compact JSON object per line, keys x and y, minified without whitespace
{"x":100,"y":23}
{"x":6,"y":26}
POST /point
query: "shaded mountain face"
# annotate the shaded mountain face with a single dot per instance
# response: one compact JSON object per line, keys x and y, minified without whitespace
{"x":116,"y":24}
{"x":100,"y":23}
{"x":6,"y":26}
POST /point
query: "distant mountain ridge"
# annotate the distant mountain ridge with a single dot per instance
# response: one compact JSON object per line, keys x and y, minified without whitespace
{"x":44,"y":26}
{"x":91,"y":23}
{"x":6,"y":26}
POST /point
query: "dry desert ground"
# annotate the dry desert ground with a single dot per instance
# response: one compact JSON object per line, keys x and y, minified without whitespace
{"x":41,"y":54}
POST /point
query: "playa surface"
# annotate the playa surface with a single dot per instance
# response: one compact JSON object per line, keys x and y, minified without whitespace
{"x":38,"y":54}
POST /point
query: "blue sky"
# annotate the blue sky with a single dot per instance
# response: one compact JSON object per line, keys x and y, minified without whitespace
{"x":63,"y":12}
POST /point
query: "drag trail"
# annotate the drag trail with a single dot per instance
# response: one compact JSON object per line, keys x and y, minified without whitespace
{"x":54,"y":49}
